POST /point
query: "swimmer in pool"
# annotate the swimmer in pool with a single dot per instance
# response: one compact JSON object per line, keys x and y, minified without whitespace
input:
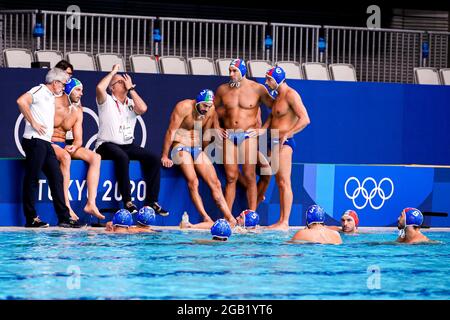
{"x":349,"y":223}
{"x":247,"y":221}
{"x":409,"y":223}
{"x":315,"y":230}
{"x":123,"y":223}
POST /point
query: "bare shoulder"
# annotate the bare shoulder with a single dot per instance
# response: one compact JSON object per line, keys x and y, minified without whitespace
{"x":256,"y":85}
{"x":336,"y":236}
{"x":222,"y":89}
{"x":301,"y":234}
{"x":183,"y":107}
{"x":292,"y":94}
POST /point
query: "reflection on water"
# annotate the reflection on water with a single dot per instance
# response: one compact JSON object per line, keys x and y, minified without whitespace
{"x":184,"y":265}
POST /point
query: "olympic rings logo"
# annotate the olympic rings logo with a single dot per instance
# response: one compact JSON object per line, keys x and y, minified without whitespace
{"x":89,"y":142}
{"x":361,"y":190}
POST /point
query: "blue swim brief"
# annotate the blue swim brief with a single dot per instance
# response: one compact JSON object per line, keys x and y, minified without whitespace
{"x":289,"y":142}
{"x":194,"y":151}
{"x":61,"y":144}
{"x":238,"y":137}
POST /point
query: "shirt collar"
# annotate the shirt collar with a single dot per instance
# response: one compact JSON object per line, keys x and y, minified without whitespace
{"x":117,"y":101}
{"x":48,"y":90}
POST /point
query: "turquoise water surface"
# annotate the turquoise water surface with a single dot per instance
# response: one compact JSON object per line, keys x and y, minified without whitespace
{"x":88,"y":264}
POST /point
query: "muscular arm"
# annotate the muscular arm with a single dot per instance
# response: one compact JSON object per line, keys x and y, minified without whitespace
{"x":77,"y":130}
{"x":266,"y":124}
{"x":176,"y":118}
{"x":140,"y":106}
{"x":266,"y":99}
{"x":100,"y":91}
{"x":295,"y":102}
{"x":218,"y":104}
{"x":24,"y":102}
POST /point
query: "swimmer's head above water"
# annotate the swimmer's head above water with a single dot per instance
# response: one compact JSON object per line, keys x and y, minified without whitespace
{"x":238,"y":70}
{"x":146,"y":216}
{"x":409,"y":217}
{"x":315,"y":215}
{"x":221,"y":230}
{"x":122,"y":219}
{"x":248,"y":219}
{"x":349,"y":221}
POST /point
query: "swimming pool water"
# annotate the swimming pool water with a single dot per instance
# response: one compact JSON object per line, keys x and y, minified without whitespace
{"x":87,"y":264}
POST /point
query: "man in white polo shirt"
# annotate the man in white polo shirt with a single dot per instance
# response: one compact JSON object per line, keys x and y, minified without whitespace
{"x":38,"y":107}
{"x":117,"y":120}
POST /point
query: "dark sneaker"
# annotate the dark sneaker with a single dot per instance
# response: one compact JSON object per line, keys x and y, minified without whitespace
{"x":131,"y":208}
{"x":71,"y":224}
{"x":37,"y":223}
{"x":159,"y":210}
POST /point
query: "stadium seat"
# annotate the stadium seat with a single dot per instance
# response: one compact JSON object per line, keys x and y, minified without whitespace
{"x":425,"y":75}
{"x":106,"y":61}
{"x":202,"y":66}
{"x":258,"y":68}
{"x":342,"y":72}
{"x":292,"y":69}
{"x":315,"y":71}
{"x":51,"y":56}
{"x":445,"y":76}
{"x":173,"y":65}
{"x":144,"y":63}
{"x":223,"y":66}
{"x":81,"y":60}
{"x":17,"y":58}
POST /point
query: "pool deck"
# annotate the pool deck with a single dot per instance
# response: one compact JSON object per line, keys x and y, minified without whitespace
{"x":176,"y":228}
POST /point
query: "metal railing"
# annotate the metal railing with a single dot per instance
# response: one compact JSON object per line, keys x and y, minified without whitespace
{"x":439,"y":43}
{"x":387,"y":55}
{"x":88,"y":32}
{"x":293,"y":42}
{"x":17,"y":29}
{"x":98,"y":33}
{"x":212,"y":38}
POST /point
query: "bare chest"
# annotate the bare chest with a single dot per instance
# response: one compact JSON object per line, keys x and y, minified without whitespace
{"x":245,"y":99}
{"x":191,"y":123}
{"x":280,"y":108}
{"x":64,"y":117}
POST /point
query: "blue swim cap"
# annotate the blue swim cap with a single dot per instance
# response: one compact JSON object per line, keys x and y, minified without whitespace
{"x":251,"y":218}
{"x":205,"y":96}
{"x":146,"y":216}
{"x":72,"y":84}
{"x":240,"y":65}
{"x":272,"y":93}
{"x":413,"y":217}
{"x":277,"y":74}
{"x":221,"y":229}
{"x":315,"y":214}
{"x":122,"y":218}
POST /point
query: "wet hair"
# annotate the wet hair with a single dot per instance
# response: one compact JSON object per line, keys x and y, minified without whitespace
{"x":63,"y":64}
{"x":56,"y":74}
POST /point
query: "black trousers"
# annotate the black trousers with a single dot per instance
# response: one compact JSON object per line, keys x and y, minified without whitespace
{"x":41,"y":156}
{"x":121,"y":156}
